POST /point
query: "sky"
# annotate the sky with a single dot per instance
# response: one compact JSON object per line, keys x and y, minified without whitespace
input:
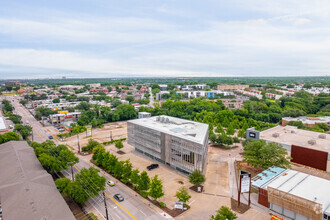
{"x":164,"y":38}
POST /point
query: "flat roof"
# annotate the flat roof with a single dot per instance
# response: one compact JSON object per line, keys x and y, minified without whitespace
{"x":309,"y":120}
{"x":27,"y":191}
{"x":267,"y":175}
{"x":185,"y":129}
{"x":291,"y":135}
{"x":305,"y":186}
{"x":2,"y":123}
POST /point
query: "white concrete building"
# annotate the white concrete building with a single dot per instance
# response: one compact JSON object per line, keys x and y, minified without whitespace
{"x":179,"y":143}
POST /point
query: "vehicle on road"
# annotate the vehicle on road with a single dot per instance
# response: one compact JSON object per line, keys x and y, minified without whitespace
{"x":10,"y":126}
{"x":110,"y":183}
{"x":118,"y":197}
{"x":152,"y":166}
{"x":50,"y":137}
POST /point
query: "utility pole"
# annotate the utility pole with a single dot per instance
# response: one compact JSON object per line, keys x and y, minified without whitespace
{"x":72,"y":173}
{"x":105,"y":205}
{"x":78,"y":143}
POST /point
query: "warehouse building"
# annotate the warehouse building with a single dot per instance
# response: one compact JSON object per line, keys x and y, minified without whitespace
{"x":176,"y":142}
{"x":27,"y":191}
{"x":308,"y":148}
{"x":293,"y":194}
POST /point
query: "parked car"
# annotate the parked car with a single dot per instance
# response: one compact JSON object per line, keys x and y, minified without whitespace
{"x":61,"y":130}
{"x":118,"y":197}
{"x":50,"y":137}
{"x":110,"y":183}
{"x":152,"y":166}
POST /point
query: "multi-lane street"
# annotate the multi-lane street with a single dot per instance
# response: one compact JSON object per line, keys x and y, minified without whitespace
{"x":133,"y":207}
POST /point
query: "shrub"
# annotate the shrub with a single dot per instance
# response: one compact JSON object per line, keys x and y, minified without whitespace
{"x":162,"y":204}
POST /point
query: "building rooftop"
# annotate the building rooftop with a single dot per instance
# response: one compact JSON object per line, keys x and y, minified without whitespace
{"x":2,"y":124}
{"x":304,"y":186}
{"x":185,"y":129}
{"x":27,"y":191}
{"x":267,"y":175}
{"x":309,"y":120}
{"x":291,"y":135}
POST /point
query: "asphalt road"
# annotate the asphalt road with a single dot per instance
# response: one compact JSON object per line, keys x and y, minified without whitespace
{"x":133,"y":207}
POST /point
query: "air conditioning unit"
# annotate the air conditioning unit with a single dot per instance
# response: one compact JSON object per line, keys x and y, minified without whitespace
{"x":275,"y":135}
{"x":312,"y":142}
{"x":322,"y":136}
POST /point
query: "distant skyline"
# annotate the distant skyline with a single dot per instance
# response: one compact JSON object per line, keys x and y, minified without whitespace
{"x":164,"y":38}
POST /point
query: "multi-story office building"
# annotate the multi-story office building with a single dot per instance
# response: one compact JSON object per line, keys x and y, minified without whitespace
{"x":176,"y":142}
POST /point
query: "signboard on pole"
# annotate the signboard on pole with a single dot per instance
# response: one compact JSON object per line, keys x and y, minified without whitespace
{"x":88,"y":130}
{"x":178,"y":205}
{"x":245,"y":184}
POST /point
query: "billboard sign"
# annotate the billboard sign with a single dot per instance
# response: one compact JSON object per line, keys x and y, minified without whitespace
{"x":88,"y":130}
{"x":63,"y":112}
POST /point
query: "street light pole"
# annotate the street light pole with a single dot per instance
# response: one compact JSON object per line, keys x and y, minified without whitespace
{"x":32,"y":134}
{"x":78,"y":143}
{"x":105,"y":205}
{"x":72,"y":173}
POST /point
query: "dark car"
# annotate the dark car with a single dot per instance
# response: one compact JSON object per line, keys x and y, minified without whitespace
{"x":152,"y":166}
{"x":50,"y":137}
{"x":118,"y":197}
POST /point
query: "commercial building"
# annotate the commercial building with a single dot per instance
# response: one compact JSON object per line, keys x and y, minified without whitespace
{"x":308,"y":121}
{"x":160,"y":94}
{"x":63,"y":117}
{"x":305,"y":147}
{"x":144,"y":115}
{"x":163,"y":87}
{"x":232,"y":87}
{"x":176,"y":142}
{"x":293,"y":194}
{"x":194,"y":87}
{"x":233,"y":103}
{"x":27,"y":191}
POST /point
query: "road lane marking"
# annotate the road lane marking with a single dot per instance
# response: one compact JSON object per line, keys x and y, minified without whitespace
{"x":39,"y":134}
{"x":114,"y":200}
{"x":143,"y":213}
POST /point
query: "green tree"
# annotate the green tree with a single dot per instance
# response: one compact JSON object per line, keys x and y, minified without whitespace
{"x":118,"y":169}
{"x":119,"y":145}
{"x":62,"y":184}
{"x":90,"y":180}
{"x":126,"y":171}
{"x":183,"y":195}
{"x":144,"y":181}
{"x":51,"y":163}
{"x":156,"y":188}
{"x":57,"y":100}
{"x":224,"y":213}
{"x":230,"y":130}
{"x":258,"y":153}
{"x":91,"y":145}
{"x":8,"y":136}
{"x":134,"y":178}
{"x":196,"y":178}
{"x":78,"y":192}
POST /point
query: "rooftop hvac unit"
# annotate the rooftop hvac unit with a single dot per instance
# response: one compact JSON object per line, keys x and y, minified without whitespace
{"x":162,"y":119}
{"x":293,"y":131}
{"x":322,"y":136}
{"x":312,"y":142}
{"x":167,"y":120}
{"x":275,"y":135}
{"x":158,"y":118}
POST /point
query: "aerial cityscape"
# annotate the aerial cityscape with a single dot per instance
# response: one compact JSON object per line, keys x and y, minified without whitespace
{"x":150,"y":110}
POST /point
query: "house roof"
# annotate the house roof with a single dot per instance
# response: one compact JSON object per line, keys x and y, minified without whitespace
{"x":27,"y":191}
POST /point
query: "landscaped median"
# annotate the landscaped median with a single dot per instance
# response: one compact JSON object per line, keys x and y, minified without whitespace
{"x":149,"y":188}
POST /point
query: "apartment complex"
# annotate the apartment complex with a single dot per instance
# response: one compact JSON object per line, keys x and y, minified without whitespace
{"x":293,"y":194}
{"x":179,"y":143}
{"x":232,"y":87}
